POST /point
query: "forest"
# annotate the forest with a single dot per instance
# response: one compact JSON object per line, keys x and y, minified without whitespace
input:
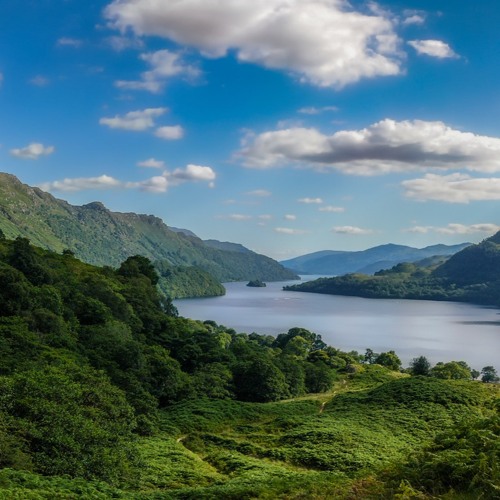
{"x":105,"y":392}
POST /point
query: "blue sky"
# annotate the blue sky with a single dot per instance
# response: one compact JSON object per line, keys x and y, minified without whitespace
{"x":289,"y":126}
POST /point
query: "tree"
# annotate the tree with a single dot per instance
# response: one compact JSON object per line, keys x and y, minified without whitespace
{"x":420,"y":366}
{"x":138,"y":265}
{"x":388,"y":359}
{"x":453,"y":370}
{"x":489,"y":375}
{"x":259,"y":380}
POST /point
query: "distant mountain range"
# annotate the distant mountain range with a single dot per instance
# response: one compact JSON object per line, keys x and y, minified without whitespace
{"x":101,"y":237}
{"x":470,"y":275}
{"x":335,"y":263}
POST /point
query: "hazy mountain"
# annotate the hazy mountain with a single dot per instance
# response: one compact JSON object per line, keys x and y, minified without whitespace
{"x":331,"y":262}
{"x":470,"y":275}
{"x":102,"y":237}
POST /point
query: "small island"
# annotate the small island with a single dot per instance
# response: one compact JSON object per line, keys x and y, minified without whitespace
{"x":256,"y":284}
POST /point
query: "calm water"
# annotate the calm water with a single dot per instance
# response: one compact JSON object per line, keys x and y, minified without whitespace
{"x":442,"y":331}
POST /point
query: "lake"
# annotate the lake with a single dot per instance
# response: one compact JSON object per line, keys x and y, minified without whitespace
{"x":441,"y":331}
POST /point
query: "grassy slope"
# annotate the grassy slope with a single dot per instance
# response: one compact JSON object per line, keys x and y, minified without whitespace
{"x":332,"y":445}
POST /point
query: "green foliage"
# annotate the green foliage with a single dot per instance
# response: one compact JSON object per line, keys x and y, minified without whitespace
{"x":100,"y":380}
{"x":178,"y":282}
{"x":72,"y":419}
{"x":489,"y":374}
{"x":420,"y":366}
{"x":453,"y":370}
{"x":465,"y":458}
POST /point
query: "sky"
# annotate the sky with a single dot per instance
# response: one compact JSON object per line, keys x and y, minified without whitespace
{"x":289,"y":126}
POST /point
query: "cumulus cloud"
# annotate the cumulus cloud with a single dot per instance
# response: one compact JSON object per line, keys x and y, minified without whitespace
{"x":332,"y":209}
{"x":164,"y":65}
{"x":265,"y":217}
{"x":310,"y":201}
{"x":287,"y":230}
{"x":384,"y":147}
{"x":194,"y":173}
{"x":433,"y":48}
{"x":82,"y":184}
{"x":151,"y":163}
{"x":326,"y":43}
{"x":134,"y":120}
{"x":33,"y":151}
{"x":453,"y":188}
{"x":351,"y":230}
{"x":455,"y":228}
{"x":290,"y":217}
{"x":170,"y":133}
{"x":157,"y":184}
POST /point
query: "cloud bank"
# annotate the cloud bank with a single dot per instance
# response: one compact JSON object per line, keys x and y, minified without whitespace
{"x":451,"y":229}
{"x":157,"y":184}
{"x":324,"y":42}
{"x":384,"y":147}
{"x":453,"y":188}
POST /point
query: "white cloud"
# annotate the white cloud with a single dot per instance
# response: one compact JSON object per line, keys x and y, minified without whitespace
{"x":69,"y":42}
{"x":82,"y":183}
{"x":413,"y":17}
{"x":351,"y":230}
{"x":259,"y":193}
{"x":311,"y":110}
{"x":309,"y":201}
{"x":324,"y":42}
{"x":332,"y":209}
{"x":453,"y":188}
{"x":164,"y":65}
{"x":290,"y":217}
{"x":157,"y":184}
{"x":134,"y":120}
{"x":194,"y":173}
{"x":151,"y":163}
{"x":455,"y":228}
{"x":433,"y":48}
{"x":33,"y":151}
{"x":40,"y":81}
{"x":171,"y":133}
{"x":265,"y":217}
{"x":384,"y":147}
{"x":287,"y":230}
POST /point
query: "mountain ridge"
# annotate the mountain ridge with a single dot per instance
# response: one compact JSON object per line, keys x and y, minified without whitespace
{"x":101,"y":237}
{"x":369,"y":261}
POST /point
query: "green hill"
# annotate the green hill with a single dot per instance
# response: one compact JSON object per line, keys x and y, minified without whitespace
{"x":471,"y":275}
{"x":106,"y":393}
{"x":101,"y":237}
